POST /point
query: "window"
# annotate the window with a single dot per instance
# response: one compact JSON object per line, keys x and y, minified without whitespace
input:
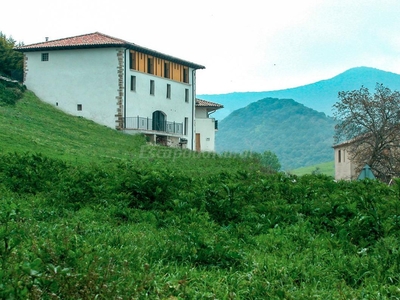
{"x":167,"y":73}
{"x":186,"y":126}
{"x":339,"y":156}
{"x":150,"y":65}
{"x":185,"y":75}
{"x":168,"y":91}
{"x":152,"y":87}
{"x":186,"y":95}
{"x":133,"y":83}
{"x":132,"y":60}
{"x":45,"y":57}
{"x":79,"y":107}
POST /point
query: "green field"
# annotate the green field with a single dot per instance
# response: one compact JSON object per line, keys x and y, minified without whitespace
{"x":90,"y":213}
{"x":327,"y":168}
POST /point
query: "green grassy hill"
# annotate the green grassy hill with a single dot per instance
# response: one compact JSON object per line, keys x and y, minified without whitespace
{"x":327,"y":168}
{"x":32,"y":126}
{"x":298,"y":135}
{"x":101,"y":215}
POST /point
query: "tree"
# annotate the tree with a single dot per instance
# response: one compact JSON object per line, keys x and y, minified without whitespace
{"x":371,"y":125}
{"x":267,"y":160}
{"x":11,"y":61}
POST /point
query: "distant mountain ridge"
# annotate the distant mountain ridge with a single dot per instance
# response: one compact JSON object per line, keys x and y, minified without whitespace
{"x":298,"y":135}
{"x":319,"y":96}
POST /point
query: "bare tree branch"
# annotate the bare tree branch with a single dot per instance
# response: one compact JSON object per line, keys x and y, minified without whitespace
{"x":371,"y":123}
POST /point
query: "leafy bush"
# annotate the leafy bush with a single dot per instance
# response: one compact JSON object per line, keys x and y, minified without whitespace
{"x":135,"y":230}
{"x":30,"y":173}
{"x":10,"y":92}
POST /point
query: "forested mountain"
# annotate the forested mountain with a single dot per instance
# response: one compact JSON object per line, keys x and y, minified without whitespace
{"x":298,"y":135}
{"x":319,"y":96}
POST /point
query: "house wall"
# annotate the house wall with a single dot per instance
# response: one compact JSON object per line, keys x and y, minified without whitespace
{"x":88,"y":77}
{"x":96,"y":84}
{"x":344,"y":168}
{"x":206,"y":127}
{"x":180,"y":104}
{"x":201,"y":113}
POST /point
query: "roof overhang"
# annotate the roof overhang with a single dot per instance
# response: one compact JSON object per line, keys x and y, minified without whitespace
{"x":62,"y":44}
{"x":208,"y":104}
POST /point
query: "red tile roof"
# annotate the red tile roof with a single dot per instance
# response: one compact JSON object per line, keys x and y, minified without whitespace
{"x":93,"y":39}
{"x":99,"y":40}
{"x":204,"y":103}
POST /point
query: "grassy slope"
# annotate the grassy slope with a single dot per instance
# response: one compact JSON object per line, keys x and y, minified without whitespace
{"x":327,"y":168}
{"x":34,"y":126}
{"x":37,"y":127}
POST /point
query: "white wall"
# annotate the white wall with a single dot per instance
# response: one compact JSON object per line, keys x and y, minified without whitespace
{"x":83,"y":76}
{"x":141,"y":103}
{"x":206,"y":127}
{"x":201,"y":113}
{"x":90,"y":77}
{"x":344,"y":169}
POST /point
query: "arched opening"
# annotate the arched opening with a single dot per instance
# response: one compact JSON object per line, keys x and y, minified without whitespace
{"x":159,"y":121}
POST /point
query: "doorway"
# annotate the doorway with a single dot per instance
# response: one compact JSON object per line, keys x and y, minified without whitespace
{"x":159,"y":121}
{"x":198,"y":146}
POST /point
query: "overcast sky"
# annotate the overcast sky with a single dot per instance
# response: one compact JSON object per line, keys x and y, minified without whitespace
{"x":248,"y":45}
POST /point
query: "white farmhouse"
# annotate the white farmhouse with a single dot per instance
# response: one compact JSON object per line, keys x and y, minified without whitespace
{"x":123,"y":86}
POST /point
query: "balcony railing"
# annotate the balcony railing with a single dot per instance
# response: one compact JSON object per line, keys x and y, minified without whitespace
{"x":147,"y":124}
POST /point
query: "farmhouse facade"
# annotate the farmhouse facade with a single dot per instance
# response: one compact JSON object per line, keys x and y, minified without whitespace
{"x":345,"y":169}
{"x":123,"y":86}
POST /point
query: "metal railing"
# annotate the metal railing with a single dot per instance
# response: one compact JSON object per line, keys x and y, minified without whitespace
{"x":142,"y":123}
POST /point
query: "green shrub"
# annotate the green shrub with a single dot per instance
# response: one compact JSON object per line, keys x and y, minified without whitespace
{"x":198,"y":243}
{"x":30,"y":173}
{"x":10,"y":92}
{"x":137,"y":230}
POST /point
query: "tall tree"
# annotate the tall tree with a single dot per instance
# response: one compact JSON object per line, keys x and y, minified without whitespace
{"x":11,"y":61}
{"x":371,"y":123}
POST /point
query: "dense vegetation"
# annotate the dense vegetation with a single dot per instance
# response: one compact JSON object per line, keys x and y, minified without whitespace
{"x":11,"y":62}
{"x":10,"y":91}
{"x":133,"y":230}
{"x":98,"y":214}
{"x":298,"y":135}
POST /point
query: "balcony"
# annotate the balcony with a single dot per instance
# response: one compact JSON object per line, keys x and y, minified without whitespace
{"x":150,"y":125}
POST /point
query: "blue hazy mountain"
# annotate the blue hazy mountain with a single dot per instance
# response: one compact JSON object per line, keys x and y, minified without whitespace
{"x":319,"y":96}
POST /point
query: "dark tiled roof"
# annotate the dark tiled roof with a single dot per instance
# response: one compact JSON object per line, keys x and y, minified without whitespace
{"x":204,"y":103}
{"x":99,"y":40}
